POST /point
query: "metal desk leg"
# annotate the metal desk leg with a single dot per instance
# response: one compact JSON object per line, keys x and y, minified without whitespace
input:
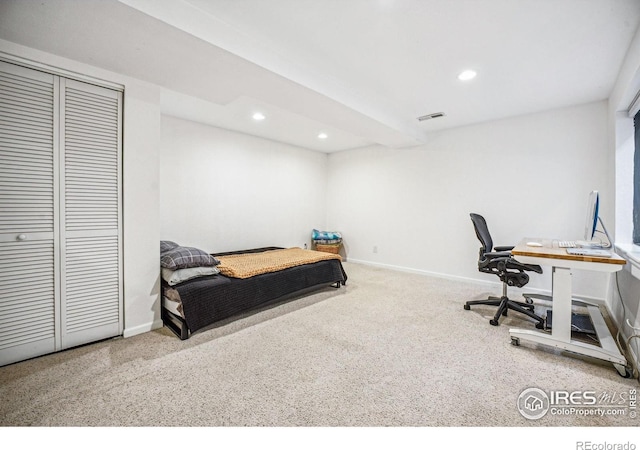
{"x":561,"y":292}
{"x":560,"y":336}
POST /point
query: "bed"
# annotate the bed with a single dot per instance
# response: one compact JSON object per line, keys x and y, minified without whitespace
{"x":243,"y":281}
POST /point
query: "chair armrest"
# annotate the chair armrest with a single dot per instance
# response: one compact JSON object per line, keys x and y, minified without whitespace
{"x":495,"y":259}
{"x":492,"y":255}
{"x":504,"y":248}
{"x":515,"y":264}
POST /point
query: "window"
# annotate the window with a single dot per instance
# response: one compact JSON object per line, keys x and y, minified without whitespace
{"x":636,"y":180}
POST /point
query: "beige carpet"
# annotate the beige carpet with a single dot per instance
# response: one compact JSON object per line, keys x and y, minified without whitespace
{"x":389,"y":349}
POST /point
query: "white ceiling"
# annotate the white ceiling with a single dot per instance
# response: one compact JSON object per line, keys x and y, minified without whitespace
{"x":360,"y":70}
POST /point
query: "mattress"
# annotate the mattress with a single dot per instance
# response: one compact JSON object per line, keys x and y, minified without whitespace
{"x":172,"y":306}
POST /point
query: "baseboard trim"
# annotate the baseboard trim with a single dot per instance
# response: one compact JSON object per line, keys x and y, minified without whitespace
{"x":144,"y":328}
{"x":446,"y":276}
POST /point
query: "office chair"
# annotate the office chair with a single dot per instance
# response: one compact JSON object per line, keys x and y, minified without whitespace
{"x":498,"y":261}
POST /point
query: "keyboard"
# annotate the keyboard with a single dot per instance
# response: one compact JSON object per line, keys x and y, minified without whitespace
{"x":578,"y":244}
{"x":589,"y":252}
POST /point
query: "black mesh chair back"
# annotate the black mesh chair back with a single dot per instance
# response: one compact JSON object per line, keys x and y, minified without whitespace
{"x":482,"y":232}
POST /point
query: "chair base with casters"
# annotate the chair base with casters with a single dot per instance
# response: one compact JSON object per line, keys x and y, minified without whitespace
{"x":504,"y":304}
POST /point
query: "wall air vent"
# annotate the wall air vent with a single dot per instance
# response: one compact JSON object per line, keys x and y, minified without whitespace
{"x":431,"y":116}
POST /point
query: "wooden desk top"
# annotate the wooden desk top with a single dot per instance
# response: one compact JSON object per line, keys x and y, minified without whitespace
{"x":551,"y":250}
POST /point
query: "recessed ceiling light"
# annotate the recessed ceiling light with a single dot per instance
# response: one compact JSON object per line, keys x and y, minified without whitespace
{"x":323,"y":136}
{"x":258,"y":116}
{"x":467,"y":75}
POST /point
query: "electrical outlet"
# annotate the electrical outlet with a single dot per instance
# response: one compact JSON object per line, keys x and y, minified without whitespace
{"x":305,"y":245}
{"x":375,"y":249}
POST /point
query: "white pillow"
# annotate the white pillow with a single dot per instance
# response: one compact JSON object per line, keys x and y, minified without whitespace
{"x":174,"y":277}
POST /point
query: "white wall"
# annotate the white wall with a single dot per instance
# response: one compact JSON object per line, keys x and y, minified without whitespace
{"x":141,"y":136}
{"x":530,"y":176}
{"x":221,"y":190}
{"x":141,"y":212}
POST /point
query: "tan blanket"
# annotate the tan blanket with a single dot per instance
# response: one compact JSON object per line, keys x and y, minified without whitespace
{"x":251,"y":264}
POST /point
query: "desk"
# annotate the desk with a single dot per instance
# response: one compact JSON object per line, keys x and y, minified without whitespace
{"x":563,"y":263}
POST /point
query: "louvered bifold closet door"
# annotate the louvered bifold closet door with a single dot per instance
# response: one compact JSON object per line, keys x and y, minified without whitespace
{"x":28,"y":180}
{"x":91,"y":241}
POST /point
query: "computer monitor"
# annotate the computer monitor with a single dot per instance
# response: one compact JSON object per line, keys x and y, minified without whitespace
{"x":591,"y":222}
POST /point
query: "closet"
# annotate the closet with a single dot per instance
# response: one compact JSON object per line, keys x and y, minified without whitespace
{"x":60,"y":212}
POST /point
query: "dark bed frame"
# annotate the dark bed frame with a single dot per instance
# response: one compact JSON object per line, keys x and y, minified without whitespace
{"x":211,"y":299}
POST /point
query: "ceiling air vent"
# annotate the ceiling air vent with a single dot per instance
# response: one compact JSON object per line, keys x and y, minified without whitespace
{"x":431,"y":116}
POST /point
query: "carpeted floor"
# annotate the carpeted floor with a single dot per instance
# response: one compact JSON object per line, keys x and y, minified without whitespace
{"x":389,"y":349}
